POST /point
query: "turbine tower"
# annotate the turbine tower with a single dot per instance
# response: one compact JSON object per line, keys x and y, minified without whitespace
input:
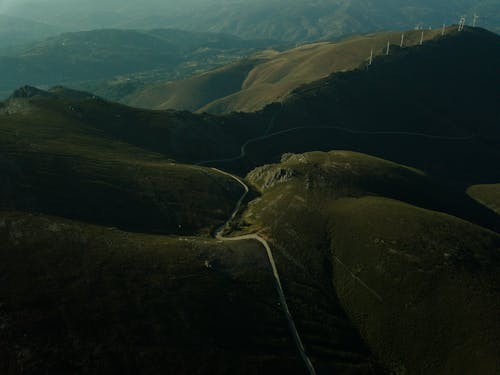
{"x":443,"y":30}
{"x":461,"y":24}
{"x":388,"y":48}
{"x":371,"y":58}
{"x":402,"y":40}
{"x":422,"y":38}
{"x":474,"y":21}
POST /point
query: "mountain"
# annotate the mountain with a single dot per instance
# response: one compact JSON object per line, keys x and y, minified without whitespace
{"x":125,"y":57}
{"x":269,"y":76}
{"x":291,"y":20}
{"x":15,"y":31}
{"x":342,"y":219}
{"x":347,"y":230}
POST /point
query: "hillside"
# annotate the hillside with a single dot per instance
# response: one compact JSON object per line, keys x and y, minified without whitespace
{"x":123,"y":251}
{"x":89,"y":299}
{"x":269,"y":77}
{"x":115,"y":62}
{"x":489,"y":195}
{"x":403,"y":108}
{"x":15,"y":31}
{"x":55,"y":164}
{"x":340,"y":219}
{"x":290,"y":20}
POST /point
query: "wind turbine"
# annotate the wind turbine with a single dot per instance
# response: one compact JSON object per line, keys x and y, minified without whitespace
{"x":371,"y":57}
{"x":474,"y":21}
{"x":461,"y":24}
{"x":402,"y":40}
{"x":422,"y":38}
{"x":388,"y":48}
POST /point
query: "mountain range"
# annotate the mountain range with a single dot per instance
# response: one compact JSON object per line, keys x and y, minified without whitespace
{"x":351,"y":228}
{"x":290,"y":20}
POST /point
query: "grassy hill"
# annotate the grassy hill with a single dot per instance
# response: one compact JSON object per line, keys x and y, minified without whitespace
{"x":114,"y":62}
{"x":59,"y":164}
{"x":87,"y":299}
{"x":268,"y":77}
{"x":489,"y":195}
{"x":387,"y":265}
{"x":408,"y":107}
{"x":420,"y":285}
{"x":15,"y":32}
{"x":292,"y":20}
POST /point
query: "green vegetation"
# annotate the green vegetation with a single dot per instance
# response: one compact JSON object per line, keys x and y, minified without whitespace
{"x":114,"y":63}
{"x":270,"y":76}
{"x":418,"y":284}
{"x":77,"y":298}
{"x":489,"y":195}
{"x":55,"y":163}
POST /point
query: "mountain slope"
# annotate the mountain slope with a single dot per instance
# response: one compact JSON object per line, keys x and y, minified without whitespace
{"x":403,"y":108}
{"x":127,"y":58}
{"x":293,"y":20}
{"x":59,"y":165}
{"x":421,"y":286}
{"x":89,"y":299}
{"x":269,"y":76}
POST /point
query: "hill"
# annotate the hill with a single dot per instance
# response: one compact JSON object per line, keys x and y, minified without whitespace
{"x":269,"y":77}
{"x":15,"y":31}
{"x":340,"y":219}
{"x":114,"y":62}
{"x":90,"y":299}
{"x":291,"y":20}
{"x":403,"y":108}
{"x":356,"y":263}
{"x":489,"y":195}
{"x":56,"y":164}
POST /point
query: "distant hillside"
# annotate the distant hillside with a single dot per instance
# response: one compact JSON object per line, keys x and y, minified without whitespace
{"x":291,"y":20}
{"x":269,"y":77}
{"x":15,"y":31}
{"x":113,"y":62}
{"x":403,"y":108}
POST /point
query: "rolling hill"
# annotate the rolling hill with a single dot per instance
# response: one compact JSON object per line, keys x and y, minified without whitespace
{"x":114,"y":62}
{"x":291,"y":20}
{"x":123,"y":251}
{"x":421,"y":286}
{"x":270,"y":76}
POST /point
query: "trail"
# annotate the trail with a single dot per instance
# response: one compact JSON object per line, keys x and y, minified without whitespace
{"x":277,"y":281}
{"x":338,"y":128}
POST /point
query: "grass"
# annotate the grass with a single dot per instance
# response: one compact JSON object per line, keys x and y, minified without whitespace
{"x":87,"y":299}
{"x":488,"y":195}
{"x":54,"y":163}
{"x":251,"y":85}
{"x":418,"y":284}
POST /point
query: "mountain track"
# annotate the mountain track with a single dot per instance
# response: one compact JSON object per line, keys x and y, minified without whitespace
{"x":277,"y":281}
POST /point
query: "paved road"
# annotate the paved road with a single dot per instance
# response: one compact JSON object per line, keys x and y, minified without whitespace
{"x":338,"y":128}
{"x":277,"y":281}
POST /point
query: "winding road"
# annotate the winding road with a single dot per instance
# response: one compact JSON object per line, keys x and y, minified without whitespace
{"x":218,"y":235}
{"x":338,"y":128}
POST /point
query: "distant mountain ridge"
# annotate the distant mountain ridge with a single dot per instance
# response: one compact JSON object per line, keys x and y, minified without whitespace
{"x":270,"y":76}
{"x":289,"y":20}
{"x":82,"y":58}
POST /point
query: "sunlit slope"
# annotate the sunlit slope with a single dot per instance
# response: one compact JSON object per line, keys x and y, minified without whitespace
{"x":270,"y":77}
{"x":420,"y":285}
{"x":78,"y":298}
{"x":488,"y":194}
{"x":195,"y":92}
